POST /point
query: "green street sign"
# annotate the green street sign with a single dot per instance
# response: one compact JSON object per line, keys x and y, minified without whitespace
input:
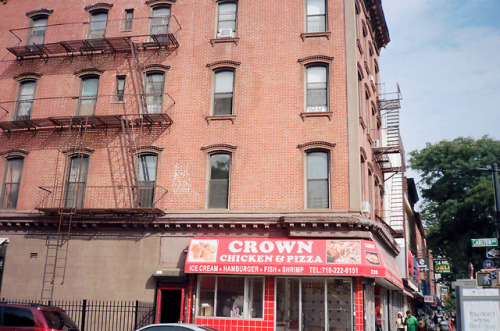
{"x":484,"y":242}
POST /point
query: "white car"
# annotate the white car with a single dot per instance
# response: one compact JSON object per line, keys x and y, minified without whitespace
{"x":176,"y":327}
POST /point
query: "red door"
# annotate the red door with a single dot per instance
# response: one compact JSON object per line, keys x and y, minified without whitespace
{"x":170,"y":305}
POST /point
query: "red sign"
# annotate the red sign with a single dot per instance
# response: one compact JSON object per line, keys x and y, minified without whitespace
{"x":284,"y":256}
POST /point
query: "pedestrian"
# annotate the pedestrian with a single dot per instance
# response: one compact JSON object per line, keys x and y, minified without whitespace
{"x":444,"y":325}
{"x":421,"y":324}
{"x":411,"y":322}
{"x":400,"y":323}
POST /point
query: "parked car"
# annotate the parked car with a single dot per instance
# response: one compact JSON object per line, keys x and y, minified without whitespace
{"x":176,"y":327}
{"x":34,"y":317}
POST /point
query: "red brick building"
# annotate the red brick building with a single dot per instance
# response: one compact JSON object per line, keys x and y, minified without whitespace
{"x":222,"y":159}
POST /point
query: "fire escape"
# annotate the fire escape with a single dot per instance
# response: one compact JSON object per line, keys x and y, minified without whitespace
{"x":390,"y":157}
{"x":66,"y":203}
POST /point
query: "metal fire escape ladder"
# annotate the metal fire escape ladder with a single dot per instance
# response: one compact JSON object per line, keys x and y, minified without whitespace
{"x":128,"y":134}
{"x":57,"y":246}
{"x":391,"y":157}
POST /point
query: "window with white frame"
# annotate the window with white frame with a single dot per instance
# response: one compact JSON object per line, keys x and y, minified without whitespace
{"x":36,"y":32}
{"x":160,"y":19}
{"x":120,"y":88}
{"x":25,"y":96}
{"x":316,"y":16}
{"x":318,"y":175}
{"x":97,"y":25}
{"x":76,"y":181}
{"x":88,"y":95}
{"x":11,"y":182}
{"x":317,"y":88}
{"x":226,"y":19}
{"x":147,"y":178}
{"x":154,"y":91}
{"x":218,"y":186}
{"x":230,"y":296}
{"x":223,"y":92}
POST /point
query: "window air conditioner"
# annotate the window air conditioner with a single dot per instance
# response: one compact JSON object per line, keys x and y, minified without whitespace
{"x":366,"y":207}
{"x":376,"y":143}
{"x":225,"y":33}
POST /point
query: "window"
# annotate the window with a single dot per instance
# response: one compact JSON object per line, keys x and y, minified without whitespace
{"x":88,"y":95}
{"x":218,"y":191}
{"x":226,"y":25}
{"x":11,"y":182}
{"x":77,"y":179}
{"x":147,"y":179}
{"x":223,"y":92}
{"x":317,"y":88}
{"x":24,"y":104}
{"x":160,"y":17}
{"x":36,"y":32}
{"x":128,"y":19}
{"x":229,"y":296}
{"x":120,"y":88}
{"x":318,"y":179}
{"x":97,"y":26}
{"x":98,"y":22}
{"x":154,"y":91}
{"x":316,"y":16}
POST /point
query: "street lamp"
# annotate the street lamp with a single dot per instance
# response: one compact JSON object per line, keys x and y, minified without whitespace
{"x":496,"y":187}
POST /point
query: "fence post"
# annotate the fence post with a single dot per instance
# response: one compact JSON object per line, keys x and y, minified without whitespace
{"x":84,"y":313}
{"x":136,"y":313}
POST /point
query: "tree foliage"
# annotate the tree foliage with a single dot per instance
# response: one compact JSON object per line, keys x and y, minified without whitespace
{"x":457,"y":199}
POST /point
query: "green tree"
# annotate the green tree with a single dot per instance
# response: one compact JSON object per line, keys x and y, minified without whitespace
{"x":457,"y":200}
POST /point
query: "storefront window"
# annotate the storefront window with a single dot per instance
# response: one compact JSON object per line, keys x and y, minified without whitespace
{"x":323,"y":304}
{"x":233,"y":297}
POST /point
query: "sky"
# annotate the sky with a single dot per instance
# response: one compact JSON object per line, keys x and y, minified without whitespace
{"x":445,"y":56}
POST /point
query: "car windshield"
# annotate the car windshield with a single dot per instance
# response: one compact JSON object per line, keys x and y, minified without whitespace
{"x":59,"y":320}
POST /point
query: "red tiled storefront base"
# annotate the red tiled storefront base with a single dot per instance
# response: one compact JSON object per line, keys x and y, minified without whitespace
{"x":358,"y":303}
{"x":266,"y":324}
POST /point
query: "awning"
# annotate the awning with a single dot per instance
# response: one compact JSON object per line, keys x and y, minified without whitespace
{"x":284,"y":256}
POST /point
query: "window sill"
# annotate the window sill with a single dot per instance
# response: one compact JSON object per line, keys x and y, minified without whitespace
{"x":224,"y":40}
{"x":325,"y":34}
{"x":211,"y":118}
{"x":328,"y":114}
{"x":118,"y":102}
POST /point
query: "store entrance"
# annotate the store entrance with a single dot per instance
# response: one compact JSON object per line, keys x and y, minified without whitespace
{"x":313,"y":304}
{"x":169,"y":305}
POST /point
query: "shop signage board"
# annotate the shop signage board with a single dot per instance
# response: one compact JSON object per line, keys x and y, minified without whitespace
{"x":442,"y":266}
{"x":429,"y":299}
{"x":423,"y":263}
{"x":284,"y":256}
{"x":484,"y":242}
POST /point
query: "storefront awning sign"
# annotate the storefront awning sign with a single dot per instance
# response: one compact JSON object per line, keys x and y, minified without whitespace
{"x":284,"y":256}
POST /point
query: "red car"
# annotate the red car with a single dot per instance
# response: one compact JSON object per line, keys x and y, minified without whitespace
{"x":34,"y":317}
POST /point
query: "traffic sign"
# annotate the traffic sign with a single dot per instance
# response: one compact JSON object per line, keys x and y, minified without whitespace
{"x":484,"y":279}
{"x":484,"y":242}
{"x":488,"y":264}
{"x":492,"y":253}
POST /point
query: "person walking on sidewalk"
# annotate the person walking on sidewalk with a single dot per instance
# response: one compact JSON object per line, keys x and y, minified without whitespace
{"x":411,"y":322}
{"x":400,"y":323}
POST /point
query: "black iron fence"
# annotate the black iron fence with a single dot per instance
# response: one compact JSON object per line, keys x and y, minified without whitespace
{"x":92,"y":315}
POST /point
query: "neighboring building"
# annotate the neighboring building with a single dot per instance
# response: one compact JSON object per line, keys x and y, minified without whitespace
{"x":222,"y":159}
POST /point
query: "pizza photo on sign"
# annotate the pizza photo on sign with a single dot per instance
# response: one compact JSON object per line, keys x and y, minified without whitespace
{"x":340,"y":251}
{"x":372,"y":257}
{"x":203,"y":250}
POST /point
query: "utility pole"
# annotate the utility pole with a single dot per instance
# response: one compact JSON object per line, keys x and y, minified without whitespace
{"x":496,"y":187}
{"x":494,"y":171}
